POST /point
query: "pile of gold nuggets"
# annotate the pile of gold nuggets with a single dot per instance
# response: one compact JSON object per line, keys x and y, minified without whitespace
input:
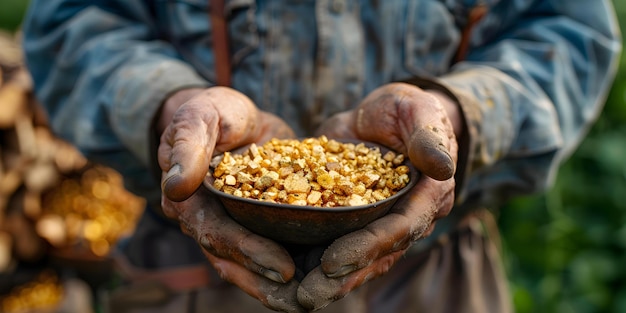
{"x":317,"y":172}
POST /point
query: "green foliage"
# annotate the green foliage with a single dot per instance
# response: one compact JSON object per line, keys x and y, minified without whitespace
{"x":565,"y":250}
{"x":11,"y":13}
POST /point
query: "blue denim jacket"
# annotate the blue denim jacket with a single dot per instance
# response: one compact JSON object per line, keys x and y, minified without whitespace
{"x":534,"y":77}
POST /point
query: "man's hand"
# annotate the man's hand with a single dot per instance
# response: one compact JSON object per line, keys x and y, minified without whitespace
{"x":196,"y":124}
{"x":421,"y":125}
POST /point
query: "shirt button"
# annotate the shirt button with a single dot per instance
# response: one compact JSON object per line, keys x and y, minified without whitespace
{"x":337,"y":6}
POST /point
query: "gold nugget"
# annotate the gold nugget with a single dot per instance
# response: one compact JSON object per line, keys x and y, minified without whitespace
{"x":315,"y":171}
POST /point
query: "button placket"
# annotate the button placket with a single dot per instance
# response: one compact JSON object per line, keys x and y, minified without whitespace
{"x":340,"y":55}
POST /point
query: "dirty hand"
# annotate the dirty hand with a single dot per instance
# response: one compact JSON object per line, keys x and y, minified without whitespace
{"x":196,"y":124}
{"x":420,"y":124}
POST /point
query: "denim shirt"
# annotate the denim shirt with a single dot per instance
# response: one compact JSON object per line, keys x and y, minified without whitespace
{"x":534,"y":77}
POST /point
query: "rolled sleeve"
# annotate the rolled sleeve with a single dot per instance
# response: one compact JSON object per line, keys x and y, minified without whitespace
{"x":101,"y":71}
{"x":138,"y":92}
{"x":530,"y":92}
{"x":529,"y":89}
{"x":509,"y":132}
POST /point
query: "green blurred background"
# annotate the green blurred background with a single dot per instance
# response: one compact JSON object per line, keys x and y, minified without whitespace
{"x":565,"y":250}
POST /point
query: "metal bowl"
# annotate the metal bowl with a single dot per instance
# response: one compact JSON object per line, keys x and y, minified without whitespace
{"x":307,"y":225}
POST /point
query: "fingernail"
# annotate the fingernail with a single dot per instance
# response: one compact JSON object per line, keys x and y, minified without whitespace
{"x":344,"y":270}
{"x":272,"y":275}
{"x":174,"y":171}
{"x":205,"y":243}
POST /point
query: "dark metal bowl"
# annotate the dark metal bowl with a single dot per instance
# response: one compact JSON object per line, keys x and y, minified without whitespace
{"x":307,"y":225}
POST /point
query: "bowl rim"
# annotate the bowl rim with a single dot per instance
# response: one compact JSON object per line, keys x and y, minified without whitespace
{"x":414,"y":176}
{"x":412,"y":182}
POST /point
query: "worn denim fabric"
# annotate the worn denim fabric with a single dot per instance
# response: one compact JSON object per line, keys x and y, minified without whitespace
{"x":535,"y":76}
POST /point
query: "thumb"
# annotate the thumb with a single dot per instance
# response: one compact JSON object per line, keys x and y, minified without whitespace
{"x":218,"y":119}
{"x":428,"y":151}
{"x":406,"y":118}
{"x":185,"y":150}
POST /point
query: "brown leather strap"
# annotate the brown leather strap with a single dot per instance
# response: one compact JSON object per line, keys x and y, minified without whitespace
{"x":475,"y":15}
{"x":175,"y":279}
{"x":219,"y":37}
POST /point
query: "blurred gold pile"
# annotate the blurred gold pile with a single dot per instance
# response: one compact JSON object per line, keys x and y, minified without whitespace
{"x":43,"y":293}
{"x":51,"y":198}
{"x":92,"y":209}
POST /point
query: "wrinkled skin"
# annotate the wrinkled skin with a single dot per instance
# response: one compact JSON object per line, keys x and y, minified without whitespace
{"x":197,"y":124}
{"x":411,"y":121}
